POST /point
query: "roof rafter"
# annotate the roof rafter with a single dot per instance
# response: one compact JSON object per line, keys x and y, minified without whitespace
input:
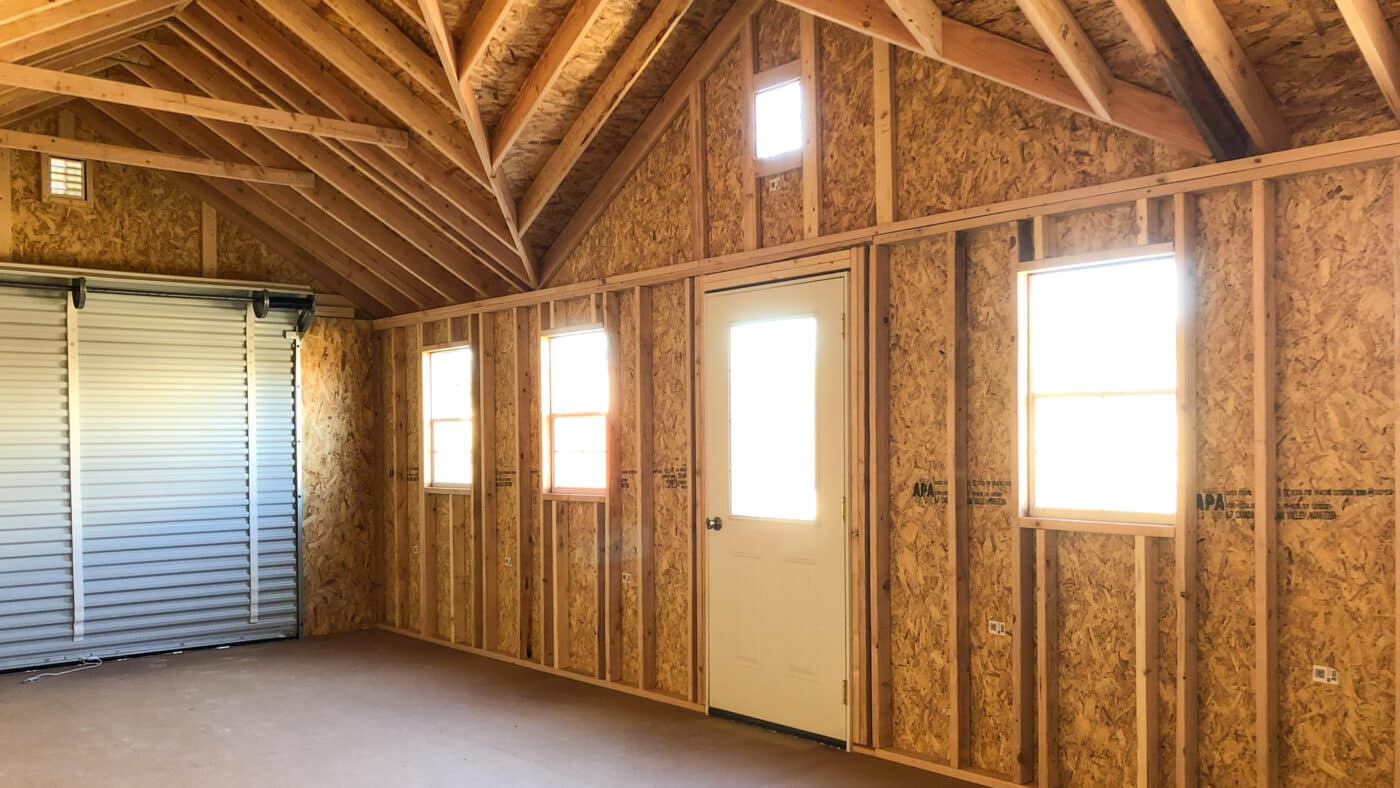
{"x":482,"y":29}
{"x":402,"y":50}
{"x":923,"y":20}
{"x":1222,"y":54}
{"x":1070,"y":45}
{"x":1023,"y":68}
{"x":78,"y":22}
{"x":562,"y":46}
{"x":639,"y":52}
{"x":1186,"y":76}
{"x":416,"y":245}
{"x":264,"y":52}
{"x":471,"y":114}
{"x":1377,"y":43}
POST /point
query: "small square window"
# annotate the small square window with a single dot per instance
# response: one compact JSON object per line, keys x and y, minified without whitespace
{"x":65,"y":179}
{"x":778,"y":119}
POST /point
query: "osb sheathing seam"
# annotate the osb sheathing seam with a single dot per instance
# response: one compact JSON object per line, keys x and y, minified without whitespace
{"x":847,"y":74}
{"x":581,"y":522}
{"x":1224,"y":457}
{"x":962,"y":141}
{"x":627,"y":426}
{"x":650,"y":216}
{"x":338,"y":371}
{"x":1097,"y":705}
{"x":780,"y":208}
{"x":991,"y":330}
{"x":671,"y":481}
{"x":1336,"y":410}
{"x":507,"y":507}
{"x":775,"y":35}
{"x":724,"y":151}
{"x":919,"y":574}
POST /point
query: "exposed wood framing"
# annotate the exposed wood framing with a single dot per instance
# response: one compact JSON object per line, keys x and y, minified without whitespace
{"x":882,"y":101}
{"x":714,"y":48}
{"x":427,"y":530}
{"x":548,"y":67}
{"x":1265,"y":485}
{"x":699,"y":178}
{"x":752,"y":237}
{"x":137,"y":157}
{"x":484,"y":494}
{"x":96,"y":89}
{"x":386,"y":36}
{"x":1378,"y":46}
{"x":610,"y":557}
{"x":630,"y":65}
{"x":1227,"y":62}
{"x":923,"y":20}
{"x":78,"y":23}
{"x":695,"y":448}
{"x":1145,"y":654}
{"x":1033,"y":567}
{"x":525,"y":481}
{"x":959,"y":646}
{"x":811,"y":128}
{"x":479,"y":33}
{"x":646,"y":492}
{"x":1186,"y":583}
{"x":208,"y":240}
{"x":1179,"y":64}
{"x":1023,"y":68}
{"x":1067,"y":41}
{"x":878,"y":428}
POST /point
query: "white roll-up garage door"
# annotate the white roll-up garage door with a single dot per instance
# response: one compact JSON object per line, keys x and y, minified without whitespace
{"x":147,"y":475}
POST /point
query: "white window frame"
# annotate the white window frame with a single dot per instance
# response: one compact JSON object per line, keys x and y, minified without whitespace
{"x":548,"y":415}
{"x":1025,"y":410}
{"x":429,"y":475}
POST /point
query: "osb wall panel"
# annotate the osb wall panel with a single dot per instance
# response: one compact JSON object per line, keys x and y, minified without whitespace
{"x":1225,"y":478}
{"x":1097,"y":705}
{"x":627,"y":427}
{"x":339,"y":462}
{"x":580,"y":524}
{"x":648,"y":224}
{"x":724,"y":152}
{"x":576,"y":312}
{"x":780,"y":208}
{"x":506,"y":483}
{"x":1336,"y":466}
{"x":1113,"y":227}
{"x":671,"y":485}
{"x":918,"y":511}
{"x":962,"y":141}
{"x":775,"y":35}
{"x":847,"y":73}
{"x":386,"y":538}
{"x":242,"y":256}
{"x":991,"y":332}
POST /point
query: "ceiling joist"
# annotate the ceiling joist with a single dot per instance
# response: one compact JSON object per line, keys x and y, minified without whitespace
{"x":137,"y":157}
{"x":96,"y":89}
{"x":1023,"y":68}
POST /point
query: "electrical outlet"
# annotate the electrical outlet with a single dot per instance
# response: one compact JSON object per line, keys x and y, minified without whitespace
{"x":509,"y":561}
{"x":627,"y":578}
{"x":1323,"y":674}
{"x":997,"y":627}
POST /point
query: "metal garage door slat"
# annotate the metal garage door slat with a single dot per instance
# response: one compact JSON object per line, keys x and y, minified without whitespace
{"x":166,"y":465}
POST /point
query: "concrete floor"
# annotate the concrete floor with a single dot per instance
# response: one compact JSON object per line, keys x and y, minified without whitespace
{"x":376,"y":709}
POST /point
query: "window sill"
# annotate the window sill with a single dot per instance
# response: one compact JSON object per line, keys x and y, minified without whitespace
{"x":438,"y":489}
{"x":1160,"y":530}
{"x":575,"y":497}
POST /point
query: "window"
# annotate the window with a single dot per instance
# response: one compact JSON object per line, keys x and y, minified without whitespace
{"x":574,"y":366}
{"x":447,"y":411}
{"x":1101,"y":391}
{"x":773,"y":419}
{"x":778,"y":119}
{"x":65,"y":179}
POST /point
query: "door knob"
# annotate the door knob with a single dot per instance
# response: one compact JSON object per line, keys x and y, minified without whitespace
{"x":714,"y":523}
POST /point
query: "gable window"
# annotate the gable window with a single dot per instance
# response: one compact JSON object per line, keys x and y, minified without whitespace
{"x":1100,"y":391}
{"x":778,"y":119}
{"x":65,"y":179}
{"x":447,"y":416}
{"x":574,"y":367}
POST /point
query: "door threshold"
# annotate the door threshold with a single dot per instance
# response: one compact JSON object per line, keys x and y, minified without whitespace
{"x":775,"y":727}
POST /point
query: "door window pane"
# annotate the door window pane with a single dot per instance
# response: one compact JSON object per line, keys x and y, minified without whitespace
{"x":773,"y":419}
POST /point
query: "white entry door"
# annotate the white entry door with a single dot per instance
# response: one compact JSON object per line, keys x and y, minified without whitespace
{"x":775,"y":459}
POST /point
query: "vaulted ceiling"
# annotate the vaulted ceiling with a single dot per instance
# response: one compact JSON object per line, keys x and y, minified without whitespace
{"x":414,"y":153}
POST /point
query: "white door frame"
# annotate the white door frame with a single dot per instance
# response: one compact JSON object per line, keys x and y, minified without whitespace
{"x":853,"y":262}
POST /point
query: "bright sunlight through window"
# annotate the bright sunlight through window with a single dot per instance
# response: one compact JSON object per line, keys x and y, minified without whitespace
{"x":778,"y":119}
{"x":447,"y":384}
{"x":575,"y":369}
{"x":773,"y":419}
{"x":1101,"y":391}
